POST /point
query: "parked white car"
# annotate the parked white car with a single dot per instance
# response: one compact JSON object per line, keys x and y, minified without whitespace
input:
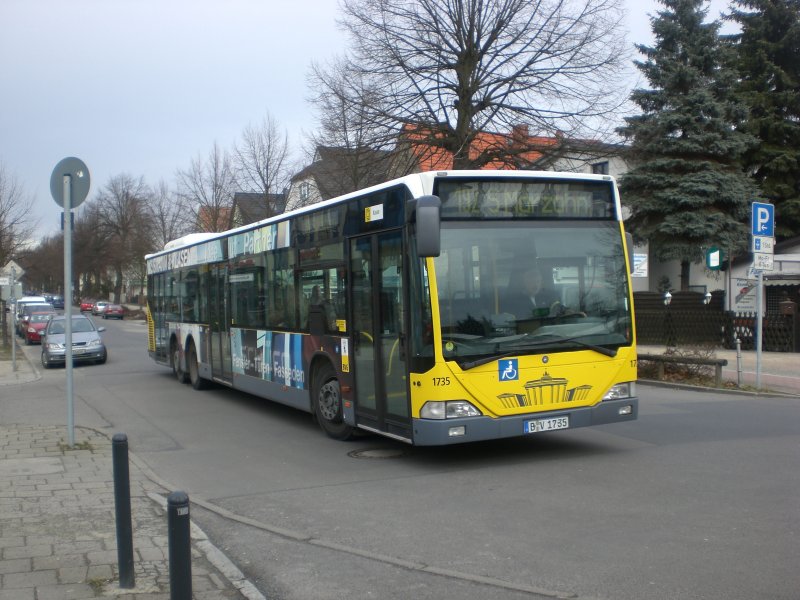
{"x":20,"y":304}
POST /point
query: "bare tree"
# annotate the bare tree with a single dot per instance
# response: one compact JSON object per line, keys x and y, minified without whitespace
{"x":207,"y":189}
{"x":367,"y":150}
{"x":124,"y":220}
{"x":168,"y":213}
{"x":260,"y":162}
{"x":16,"y":224}
{"x":448,"y":69}
{"x":44,"y":264}
{"x":90,"y":253}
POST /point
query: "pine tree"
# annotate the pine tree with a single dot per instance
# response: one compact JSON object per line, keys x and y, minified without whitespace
{"x":767,"y":58}
{"x":686,"y":189}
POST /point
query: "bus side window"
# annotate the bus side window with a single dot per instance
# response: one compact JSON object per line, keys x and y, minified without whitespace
{"x":322,"y":298}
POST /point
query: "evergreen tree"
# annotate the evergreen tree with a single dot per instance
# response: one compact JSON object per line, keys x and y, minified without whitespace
{"x":686,"y":189}
{"x":767,"y":58}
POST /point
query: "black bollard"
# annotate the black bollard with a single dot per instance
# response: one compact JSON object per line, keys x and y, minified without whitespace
{"x":180,"y":550}
{"x":122,"y":502}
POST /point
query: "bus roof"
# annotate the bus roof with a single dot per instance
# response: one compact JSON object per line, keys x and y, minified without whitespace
{"x":419,"y":183}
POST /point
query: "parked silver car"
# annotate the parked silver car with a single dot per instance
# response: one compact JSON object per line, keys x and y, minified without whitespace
{"x":87,"y":345}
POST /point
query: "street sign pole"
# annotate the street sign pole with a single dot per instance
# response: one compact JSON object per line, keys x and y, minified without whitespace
{"x":759,"y":326}
{"x":762,"y":221}
{"x":13,"y":317}
{"x":67,"y":183}
{"x":69,"y":186}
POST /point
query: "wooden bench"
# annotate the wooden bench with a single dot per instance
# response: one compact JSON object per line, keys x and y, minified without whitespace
{"x":662,"y":359}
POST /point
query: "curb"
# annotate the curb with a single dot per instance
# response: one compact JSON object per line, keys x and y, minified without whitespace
{"x":702,"y":388}
{"x":214,"y":555}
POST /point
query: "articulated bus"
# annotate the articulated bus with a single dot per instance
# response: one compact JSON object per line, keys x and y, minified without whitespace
{"x":438,"y":308}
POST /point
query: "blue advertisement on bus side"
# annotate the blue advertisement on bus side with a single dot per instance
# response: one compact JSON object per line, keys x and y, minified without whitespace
{"x":269,"y":355}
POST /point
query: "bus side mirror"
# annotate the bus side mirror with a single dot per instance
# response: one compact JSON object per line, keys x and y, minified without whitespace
{"x":629,"y":245}
{"x":427,"y":214}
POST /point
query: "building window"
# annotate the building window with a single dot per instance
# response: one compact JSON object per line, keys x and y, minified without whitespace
{"x":305,"y":191}
{"x":600,"y":168}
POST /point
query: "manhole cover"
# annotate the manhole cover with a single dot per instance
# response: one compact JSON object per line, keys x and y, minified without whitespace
{"x":15,"y":467}
{"x":377,"y":453}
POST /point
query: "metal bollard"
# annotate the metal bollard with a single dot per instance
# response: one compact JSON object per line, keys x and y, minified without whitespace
{"x":180,"y":549}
{"x":122,"y":502}
{"x":738,"y":362}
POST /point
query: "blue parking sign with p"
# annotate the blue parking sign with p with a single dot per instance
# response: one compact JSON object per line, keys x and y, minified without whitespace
{"x":763,"y":219}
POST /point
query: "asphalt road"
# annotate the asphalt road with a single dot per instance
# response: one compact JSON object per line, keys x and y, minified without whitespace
{"x":696,"y":499}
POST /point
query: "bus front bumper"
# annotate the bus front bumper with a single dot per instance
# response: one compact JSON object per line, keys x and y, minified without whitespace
{"x":433,"y":432}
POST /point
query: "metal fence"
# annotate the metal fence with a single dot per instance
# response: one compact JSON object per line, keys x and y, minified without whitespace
{"x":695,"y":323}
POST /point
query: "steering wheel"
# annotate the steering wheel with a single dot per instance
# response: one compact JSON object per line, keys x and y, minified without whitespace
{"x":559,"y":310}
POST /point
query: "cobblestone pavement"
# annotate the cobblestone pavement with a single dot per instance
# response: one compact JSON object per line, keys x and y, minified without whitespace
{"x":58,"y":525}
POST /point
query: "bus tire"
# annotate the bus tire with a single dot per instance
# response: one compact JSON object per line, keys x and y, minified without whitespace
{"x":197,"y":382}
{"x":328,"y":409}
{"x":180,"y":374}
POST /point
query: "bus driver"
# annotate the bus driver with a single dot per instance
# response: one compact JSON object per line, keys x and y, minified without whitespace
{"x":532,"y":298}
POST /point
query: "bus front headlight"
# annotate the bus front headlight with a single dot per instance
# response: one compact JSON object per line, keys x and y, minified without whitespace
{"x":451,"y":409}
{"x":621,"y":390}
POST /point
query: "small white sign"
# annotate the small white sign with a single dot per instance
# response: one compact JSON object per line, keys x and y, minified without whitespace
{"x":19,"y":271}
{"x":713,"y":260}
{"x":373,"y":213}
{"x":762,"y":261}
{"x":5,"y":280}
{"x":744,"y":295}
{"x":763,"y":244}
{"x":639,"y":265}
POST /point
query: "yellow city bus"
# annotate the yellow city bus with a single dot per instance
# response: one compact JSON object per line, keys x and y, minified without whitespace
{"x":437,"y":308}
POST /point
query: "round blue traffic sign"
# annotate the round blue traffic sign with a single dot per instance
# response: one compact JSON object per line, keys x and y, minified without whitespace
{"x":79,"y":181}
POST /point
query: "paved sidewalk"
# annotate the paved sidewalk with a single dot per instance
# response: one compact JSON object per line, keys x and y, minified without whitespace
{"x":58,"y":519}
{"x":58,"y":527}
{"x":780,"y":371}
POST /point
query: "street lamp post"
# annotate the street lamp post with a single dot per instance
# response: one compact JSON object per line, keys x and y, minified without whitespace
{"x":669,"y":333}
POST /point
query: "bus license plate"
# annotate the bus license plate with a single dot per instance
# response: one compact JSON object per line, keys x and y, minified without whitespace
{"x":539,"y":425}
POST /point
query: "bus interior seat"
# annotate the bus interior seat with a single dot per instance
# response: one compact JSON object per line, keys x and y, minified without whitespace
{"x":317,"y":321}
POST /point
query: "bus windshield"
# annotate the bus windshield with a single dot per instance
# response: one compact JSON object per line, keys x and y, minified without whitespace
{"x":523,"y":287}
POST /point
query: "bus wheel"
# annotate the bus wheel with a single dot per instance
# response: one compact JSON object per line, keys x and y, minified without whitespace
{"x":197,"y":382}
{"x":180,"y":374}
{"x":328,"y":405}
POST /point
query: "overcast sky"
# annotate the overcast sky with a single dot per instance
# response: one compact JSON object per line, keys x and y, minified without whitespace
{"x":144,"y":86}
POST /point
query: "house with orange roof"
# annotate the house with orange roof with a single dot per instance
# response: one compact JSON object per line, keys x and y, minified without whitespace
{"x":213,"y":218}
{"x":337,"y":171}
{"x":517,"y":149}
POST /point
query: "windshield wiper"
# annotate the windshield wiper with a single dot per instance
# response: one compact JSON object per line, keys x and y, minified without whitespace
{"x":486,"y":359}
{"x":557,"y":339}
{"x":600,"y":349}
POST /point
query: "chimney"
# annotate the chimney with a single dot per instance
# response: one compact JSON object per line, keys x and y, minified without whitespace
{"x":519,"y":133}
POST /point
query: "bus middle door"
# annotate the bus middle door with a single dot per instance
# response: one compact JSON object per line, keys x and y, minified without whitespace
{"x":220,"y":324}
{"x":376,"y":273}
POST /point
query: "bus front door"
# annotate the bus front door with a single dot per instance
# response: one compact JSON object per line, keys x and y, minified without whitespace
{"x":376,"y":269}
{"x":219,"y":324}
